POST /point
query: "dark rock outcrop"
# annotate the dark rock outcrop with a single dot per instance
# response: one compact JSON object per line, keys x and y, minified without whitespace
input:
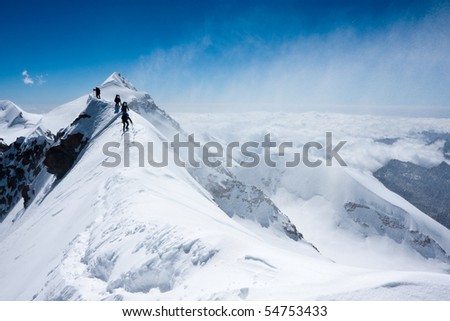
{"x":60,"y":158}
{"x":447,"y":149}
{"x":20,"y":163}
{"x":244,"y":201}
{"x":426,"y":188}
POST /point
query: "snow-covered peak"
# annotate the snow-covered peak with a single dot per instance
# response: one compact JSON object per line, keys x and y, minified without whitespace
{"x":116,"y":79}
{"x":13,"y":115}
{"x":14,"y":121}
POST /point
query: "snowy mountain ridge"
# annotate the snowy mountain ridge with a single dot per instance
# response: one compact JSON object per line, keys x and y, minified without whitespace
{"x":92,"y":232}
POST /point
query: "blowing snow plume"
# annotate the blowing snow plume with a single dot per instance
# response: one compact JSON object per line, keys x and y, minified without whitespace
{"x":401,"y":68}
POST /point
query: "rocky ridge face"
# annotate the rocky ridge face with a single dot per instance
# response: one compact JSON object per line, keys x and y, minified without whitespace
{"x":426,"y":188}
{"x":20,"y":164}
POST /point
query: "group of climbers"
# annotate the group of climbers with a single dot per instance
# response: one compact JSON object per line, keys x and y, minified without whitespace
{"x":126,"y":120}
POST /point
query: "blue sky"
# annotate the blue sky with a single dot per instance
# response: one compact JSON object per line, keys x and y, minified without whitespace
{"x":380,"y":57}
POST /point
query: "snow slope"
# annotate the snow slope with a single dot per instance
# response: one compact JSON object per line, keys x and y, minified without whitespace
{"x":148,"y":233}
{"x":108,"y":204}
{"x":353,"y":219}
{"x":344,"y":211}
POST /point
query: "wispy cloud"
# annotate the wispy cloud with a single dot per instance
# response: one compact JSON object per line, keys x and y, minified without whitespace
{"x":28,"y":80}
{"x":40,"y":79}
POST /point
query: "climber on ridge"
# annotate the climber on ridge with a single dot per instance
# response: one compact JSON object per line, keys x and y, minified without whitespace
{"x":117,"y":100}
{"x":97,"y":92}
{"x":125,"y":117}
{"x":125,"y":107}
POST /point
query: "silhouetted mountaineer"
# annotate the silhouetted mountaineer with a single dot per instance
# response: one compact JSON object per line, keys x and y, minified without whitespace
{"x":97,"y":92}
{"x":117,"y":100}
{"x":125,"y":107}
{"x":125,"y":119}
